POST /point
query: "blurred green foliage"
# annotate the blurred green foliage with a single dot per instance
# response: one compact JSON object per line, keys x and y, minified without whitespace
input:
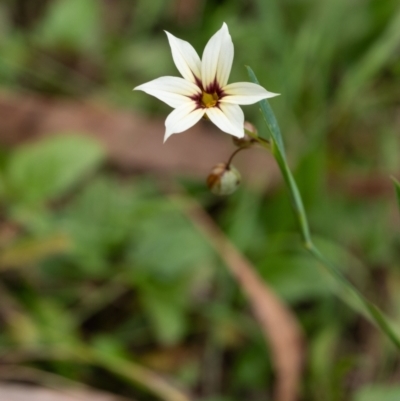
{"x":101,"y":271}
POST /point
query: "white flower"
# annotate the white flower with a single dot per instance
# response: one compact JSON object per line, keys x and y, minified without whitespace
{"x":204,"y":88}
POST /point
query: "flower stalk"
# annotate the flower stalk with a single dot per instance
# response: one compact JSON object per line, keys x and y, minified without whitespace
{"x":368,"y":309}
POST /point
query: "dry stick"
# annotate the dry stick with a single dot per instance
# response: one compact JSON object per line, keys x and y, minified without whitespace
{"x":277,"y":322}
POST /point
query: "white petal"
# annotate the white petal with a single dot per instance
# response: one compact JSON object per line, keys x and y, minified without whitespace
{"x":182,"y":119}
{"x":229,"y":118}
{"x":186,"y":59}
{"x":217,"y":58}
{"x":171,"y":90}
{"x":245,"y":93}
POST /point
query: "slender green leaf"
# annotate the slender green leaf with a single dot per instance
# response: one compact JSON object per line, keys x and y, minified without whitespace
{"x":269,"y":117}
{"x":372,"y":62}
{"x":397,"y":189}
{"x":279,"y":152}
{"x":367,"y":308}
{"x":166,"y":313}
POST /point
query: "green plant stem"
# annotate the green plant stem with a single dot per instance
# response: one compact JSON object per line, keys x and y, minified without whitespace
{"x":372,"y":311}
{"x":369,"y":310}
{"x":397,"y":189}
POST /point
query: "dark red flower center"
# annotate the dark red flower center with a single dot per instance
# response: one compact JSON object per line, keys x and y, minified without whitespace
{"x":208,"y":97}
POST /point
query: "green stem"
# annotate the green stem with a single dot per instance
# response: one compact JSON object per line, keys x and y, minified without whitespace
{"x":370,"y":310}
{"x":297,"y":202}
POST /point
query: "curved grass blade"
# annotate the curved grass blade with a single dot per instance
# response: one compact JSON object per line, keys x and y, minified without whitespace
{"x":368,"y":309}
{"x":269,"y":117}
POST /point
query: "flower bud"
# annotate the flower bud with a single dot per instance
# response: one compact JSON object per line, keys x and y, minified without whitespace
{"x":223,"y":179}
{"x":247,"y":140}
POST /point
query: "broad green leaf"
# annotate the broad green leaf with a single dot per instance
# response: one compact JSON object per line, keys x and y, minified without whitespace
{"x":47,"y":169}
{"x":165,"y":244}
{"x":99,"y":220}
{"x":71,"y":24}
{"x":166,"y":309}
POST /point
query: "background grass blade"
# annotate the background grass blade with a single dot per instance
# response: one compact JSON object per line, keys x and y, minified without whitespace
{"x":397,"y":189}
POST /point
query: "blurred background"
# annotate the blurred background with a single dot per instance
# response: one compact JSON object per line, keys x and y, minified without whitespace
{"x":107,"y":283}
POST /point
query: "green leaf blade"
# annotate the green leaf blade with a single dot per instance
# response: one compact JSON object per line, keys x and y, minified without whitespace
{"x":269,"y":116}
{"x":367,"y":308}
{"x":47,"y":169}
{"x":397,"y":189}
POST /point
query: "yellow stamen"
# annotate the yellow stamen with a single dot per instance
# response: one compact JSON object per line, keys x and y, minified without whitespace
{"x":209,"y":99}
